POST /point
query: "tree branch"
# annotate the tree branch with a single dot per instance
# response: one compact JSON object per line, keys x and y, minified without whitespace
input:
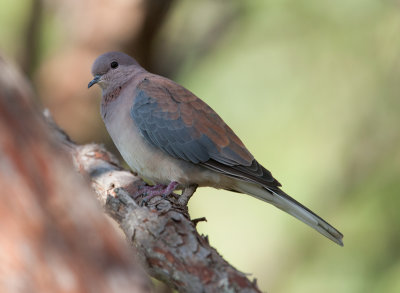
{"x":162,"y":232}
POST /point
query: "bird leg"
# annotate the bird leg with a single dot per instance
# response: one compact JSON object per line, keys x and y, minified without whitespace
{"x":158,"y":190}
{"x":186,"y":194}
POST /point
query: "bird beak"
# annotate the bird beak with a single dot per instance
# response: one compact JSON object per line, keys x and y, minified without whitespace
{"x":95,"y":80}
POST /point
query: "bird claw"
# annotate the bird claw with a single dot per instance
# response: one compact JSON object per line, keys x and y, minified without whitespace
{"x":157,"y":190}
{"x":143,"y":203}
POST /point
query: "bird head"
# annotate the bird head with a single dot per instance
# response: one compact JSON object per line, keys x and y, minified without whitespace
{"x":110,"y":68}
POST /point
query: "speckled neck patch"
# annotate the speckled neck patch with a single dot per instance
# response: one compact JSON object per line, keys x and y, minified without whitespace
{"x":108,"y":98}
{"x":111,"y":96}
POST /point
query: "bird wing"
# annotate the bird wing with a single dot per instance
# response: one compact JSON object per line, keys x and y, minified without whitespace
{"x":173,"y":119}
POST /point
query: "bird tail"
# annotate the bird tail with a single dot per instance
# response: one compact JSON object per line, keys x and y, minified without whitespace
{"x":286,"y":203}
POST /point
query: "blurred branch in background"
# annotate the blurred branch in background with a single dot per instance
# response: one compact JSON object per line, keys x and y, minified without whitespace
{"x":30,"y":49}
{"x":191,"y":32}
{"x":140,"y":45}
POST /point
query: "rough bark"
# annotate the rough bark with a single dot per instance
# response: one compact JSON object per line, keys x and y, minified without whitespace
{"x":162,"y":233}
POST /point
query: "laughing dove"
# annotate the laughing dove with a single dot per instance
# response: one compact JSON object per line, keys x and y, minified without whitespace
{"x":169,"y":136}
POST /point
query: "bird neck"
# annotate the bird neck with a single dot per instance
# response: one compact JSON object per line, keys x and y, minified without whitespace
{"x":114,"y":87}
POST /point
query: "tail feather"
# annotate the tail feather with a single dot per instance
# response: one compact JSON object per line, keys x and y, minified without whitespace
{"x":286,"y":203}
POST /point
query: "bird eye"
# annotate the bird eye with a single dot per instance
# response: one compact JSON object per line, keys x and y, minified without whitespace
{"x":114,"y":64}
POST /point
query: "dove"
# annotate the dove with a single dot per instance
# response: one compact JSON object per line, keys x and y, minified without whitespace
{"x":172,"y":138}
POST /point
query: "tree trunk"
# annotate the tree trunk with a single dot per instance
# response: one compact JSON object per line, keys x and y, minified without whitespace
{"x":54,"y":236}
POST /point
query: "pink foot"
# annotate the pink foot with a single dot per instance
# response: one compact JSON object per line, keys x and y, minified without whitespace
{"x":157,"y":190}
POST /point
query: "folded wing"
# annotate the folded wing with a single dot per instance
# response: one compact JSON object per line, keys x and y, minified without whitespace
{"x":173,"y":119}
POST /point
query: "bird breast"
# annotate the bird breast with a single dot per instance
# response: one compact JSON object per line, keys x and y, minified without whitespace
{"x":148,"y":161}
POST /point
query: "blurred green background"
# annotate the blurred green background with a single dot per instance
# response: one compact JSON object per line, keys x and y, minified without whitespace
{"x":311,"y":87}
